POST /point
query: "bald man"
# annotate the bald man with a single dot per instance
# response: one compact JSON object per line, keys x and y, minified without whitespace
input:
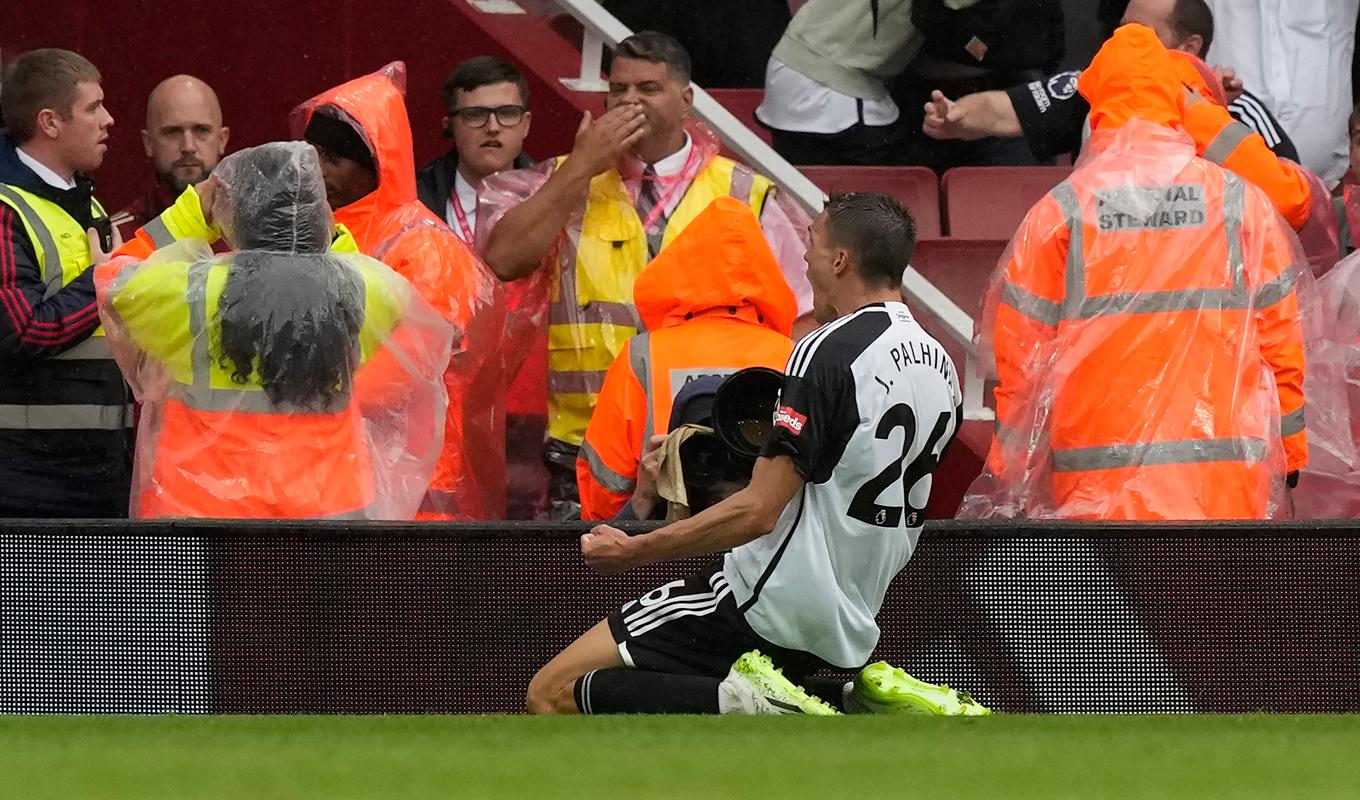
{"x":184,"y":138}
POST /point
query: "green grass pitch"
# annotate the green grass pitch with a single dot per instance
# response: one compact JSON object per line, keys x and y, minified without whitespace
{"x":692,"y":758}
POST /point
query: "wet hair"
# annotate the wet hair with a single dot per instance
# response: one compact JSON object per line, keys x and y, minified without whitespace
{"x":1191,"y":17}
{"x":41,"y":79}
{"x":290,"y":312}
{"x":480,"y":71}
{"x":877,"y":231}
{"x":657,"y":48}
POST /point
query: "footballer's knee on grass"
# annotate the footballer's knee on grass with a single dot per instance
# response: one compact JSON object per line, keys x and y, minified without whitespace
{"x":550,"y":691}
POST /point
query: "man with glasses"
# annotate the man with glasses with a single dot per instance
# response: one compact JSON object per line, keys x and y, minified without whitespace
{"x":486,"y":100}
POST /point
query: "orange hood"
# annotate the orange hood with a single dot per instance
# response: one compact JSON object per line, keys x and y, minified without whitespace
{"x":376,"y":103}
{"x":1132,"y":77}
{"x":719,"y":261}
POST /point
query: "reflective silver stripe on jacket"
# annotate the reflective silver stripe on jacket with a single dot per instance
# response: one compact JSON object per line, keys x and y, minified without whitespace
{"x":1226,"y":142}
{"x":1075,"y":289}
{"x":743,"y":179}
{"x":201,"y":394}
{"x":606,"y":477}
{"x":1293,"y":423}
{"x":65,"y":417}
{"x":1077,"y":305}
{"x":1276,"y":290}
{"x":1007,"y":435}
{"x":159,"y":233}
{"x":604,"y":313}
{"x":95,"y":348}
{"x":1030,"y":304}
{"x":51,"y":261}
{"x":1145,"y":454}
{"x":576,"y":381}
{"x":640,"y":357}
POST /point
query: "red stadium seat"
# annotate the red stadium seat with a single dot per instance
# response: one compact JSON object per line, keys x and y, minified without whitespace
{"x":990,"y":202}
{"x":915,"y":187}
{"x":743,"y":103}
{"x":959,"y":267}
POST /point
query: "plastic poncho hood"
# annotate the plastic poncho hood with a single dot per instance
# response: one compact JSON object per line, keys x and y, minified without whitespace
{"x":1132,"y":77}
{"x":376,"y":104}
{"x":272,"y":198}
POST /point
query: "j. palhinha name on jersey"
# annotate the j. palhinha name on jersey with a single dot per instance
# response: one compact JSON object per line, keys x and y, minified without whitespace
{"x":926,"y":354}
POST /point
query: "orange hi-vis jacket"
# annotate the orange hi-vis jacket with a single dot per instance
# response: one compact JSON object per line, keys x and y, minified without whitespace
{"x":392,"y":226}
{"x":1299,"y":195}
{"x":212,"y":446}
{"x":1146,"y":330}
{"x":713,"y":301}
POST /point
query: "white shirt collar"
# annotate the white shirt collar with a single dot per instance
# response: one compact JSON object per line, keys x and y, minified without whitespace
{"x":48,"y":176}
{"x":675,"y":162}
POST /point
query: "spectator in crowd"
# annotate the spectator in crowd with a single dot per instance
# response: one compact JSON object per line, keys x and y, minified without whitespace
{"x":486,"y":102}
{"x":323,"y":359}
{"x":736,"y":312}
{"x":1297,"y":57}
{"x":65,"y":417}
{"x":486,"y":114}
{"x":1348,"y":190}
{"x":827,"y":97}
{"x":972,"y":47}
{"x":1049,"y":113}
{"x":729,"y":42}
{"x":1053,"y":113}
{"x":590,"y":221}
{"x":1146,"y":330}
{"x":363,"y":136}
{"x":184,"y":137}
{"x":1188,"y":26}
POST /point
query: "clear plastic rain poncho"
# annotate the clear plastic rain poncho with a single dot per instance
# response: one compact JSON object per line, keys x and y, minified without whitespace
{"x":1330,"y":486}
{"x":1145,"y":326}
{"x":577,"y":301}
{"x":392,"y":225}
{"x":284,"y":380}
{"x":1141,"y":359}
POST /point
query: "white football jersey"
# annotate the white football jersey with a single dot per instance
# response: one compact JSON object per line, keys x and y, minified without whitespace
{"x":868,"y":406}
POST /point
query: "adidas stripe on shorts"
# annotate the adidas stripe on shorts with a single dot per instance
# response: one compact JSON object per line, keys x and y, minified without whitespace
{"x":692,"y":627}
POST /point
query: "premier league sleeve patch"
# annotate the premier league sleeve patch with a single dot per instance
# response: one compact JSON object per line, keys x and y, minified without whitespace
{"x":1063,"y":86}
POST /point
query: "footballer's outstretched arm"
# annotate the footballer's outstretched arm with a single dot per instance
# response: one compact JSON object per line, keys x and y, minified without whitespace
{"x":743,"y":517}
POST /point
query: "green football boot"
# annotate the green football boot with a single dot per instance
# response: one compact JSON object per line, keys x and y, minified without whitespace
{"x":881,"y":688}
{"x":755,"y":686}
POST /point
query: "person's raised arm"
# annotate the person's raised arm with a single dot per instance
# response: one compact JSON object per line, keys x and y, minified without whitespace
{"x":526,"y":233}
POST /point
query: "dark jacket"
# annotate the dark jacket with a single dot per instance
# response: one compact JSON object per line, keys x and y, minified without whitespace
{"x":47,"y":472}
{"x":434,"y":181}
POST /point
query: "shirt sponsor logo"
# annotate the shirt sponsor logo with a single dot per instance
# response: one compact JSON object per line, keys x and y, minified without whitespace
{"x":1036,"y":90}
{"x":1150,"y":208}
{"x":1063,"y":86}
{"x":789,"y":419}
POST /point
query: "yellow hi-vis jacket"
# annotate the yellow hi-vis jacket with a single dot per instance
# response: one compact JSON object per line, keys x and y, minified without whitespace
{"x":592,"y":314}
